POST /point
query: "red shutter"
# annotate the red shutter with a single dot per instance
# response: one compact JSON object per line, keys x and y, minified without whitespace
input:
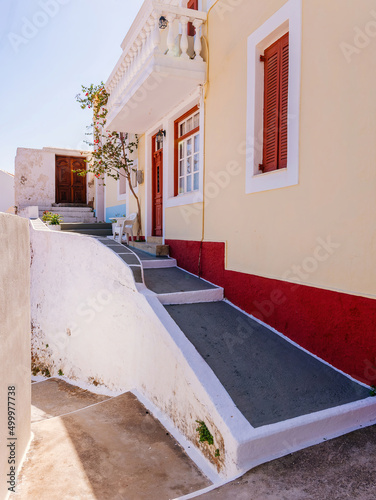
{"x":276,"y":59}
{"x":271,"y":104}
{"x":284,"y":87}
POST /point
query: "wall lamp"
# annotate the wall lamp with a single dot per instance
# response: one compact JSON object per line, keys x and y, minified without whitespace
{"x":163,"y":23}
{"x":160,"y":134}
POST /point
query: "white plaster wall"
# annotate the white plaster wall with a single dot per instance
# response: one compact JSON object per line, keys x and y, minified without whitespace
{"x":35,"y":176}
{"x":14,"y":340}
{"x":98,"y":327}
{"x":6,"y":191}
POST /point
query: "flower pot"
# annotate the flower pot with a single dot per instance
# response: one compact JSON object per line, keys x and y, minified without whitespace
{"x":54,"y":227}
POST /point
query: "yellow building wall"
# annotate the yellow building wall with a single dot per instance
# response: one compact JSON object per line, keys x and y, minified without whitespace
{"x":112,"y":194}
{"x":274,"y":233}
{"x":184,"y":223}
{"x":141,"y":187}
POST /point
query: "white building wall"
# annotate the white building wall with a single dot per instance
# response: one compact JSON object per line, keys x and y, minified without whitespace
{"x":6,"y":191}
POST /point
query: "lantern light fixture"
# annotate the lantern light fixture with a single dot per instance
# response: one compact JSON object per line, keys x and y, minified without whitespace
{"x":163,"y":23}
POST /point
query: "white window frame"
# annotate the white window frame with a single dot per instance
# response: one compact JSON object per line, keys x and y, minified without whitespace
{"x":192,"y":156}
{"x":286,"y":19}
{"x":170,"y":200}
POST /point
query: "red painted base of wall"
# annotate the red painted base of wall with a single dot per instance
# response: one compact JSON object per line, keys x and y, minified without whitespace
{"x":338,"y":327}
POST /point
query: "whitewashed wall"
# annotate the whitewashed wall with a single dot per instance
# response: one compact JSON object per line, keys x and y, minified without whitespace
{"x":99,"y":328}
{"x":6,"y":191}
{"x":14,"y":342}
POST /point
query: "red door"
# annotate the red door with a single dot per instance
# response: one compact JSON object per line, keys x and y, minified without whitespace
{"x":157,"y":173}
{"x":70,"y":187}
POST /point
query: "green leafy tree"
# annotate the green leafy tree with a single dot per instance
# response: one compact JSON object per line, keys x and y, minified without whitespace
{"x":111,"y":150}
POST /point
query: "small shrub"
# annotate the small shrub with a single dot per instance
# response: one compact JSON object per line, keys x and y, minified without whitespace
{"x":61,"y":373}
{"x":46,"y":217}
{"x":204,"y":433}
{"x":55,"y":219}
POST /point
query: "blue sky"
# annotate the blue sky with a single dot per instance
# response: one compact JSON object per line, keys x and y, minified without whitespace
{"x":48,"y":48}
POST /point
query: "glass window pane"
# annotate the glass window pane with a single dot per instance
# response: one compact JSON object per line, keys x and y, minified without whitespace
{"x":196,"y":120}
{"x":197,"y":143}
{"x":197,"y":162}
{"x":190,"y":124}
{"x":182,"y":129}
{"x":189,"y":165}
{"x":189,"y":147}
{"x":181,"y":150}
{"x":181,"y":185}
{"x":189,"y":183}
{"x":196,"y":181}
{"x":181,"y":168}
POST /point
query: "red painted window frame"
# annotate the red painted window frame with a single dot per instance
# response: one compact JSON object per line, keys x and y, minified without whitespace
{"x":176,"y":144}
{"x":275,"y":96}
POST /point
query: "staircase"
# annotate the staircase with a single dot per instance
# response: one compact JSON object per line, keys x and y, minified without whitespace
{"x":282,"y":398}
{"x":70,"y":212}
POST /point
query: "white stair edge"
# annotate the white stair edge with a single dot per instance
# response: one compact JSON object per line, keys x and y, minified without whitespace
{"x":192,"y":297}
{"x":159,"y":264}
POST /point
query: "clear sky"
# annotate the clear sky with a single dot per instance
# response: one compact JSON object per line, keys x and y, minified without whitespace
{"x":48,"y":48}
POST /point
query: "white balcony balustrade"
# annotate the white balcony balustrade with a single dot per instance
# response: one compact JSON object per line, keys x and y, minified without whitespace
{"x":158,"y":67}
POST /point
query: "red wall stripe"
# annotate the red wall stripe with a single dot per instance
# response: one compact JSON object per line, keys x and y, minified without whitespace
{"x":338,"y":327}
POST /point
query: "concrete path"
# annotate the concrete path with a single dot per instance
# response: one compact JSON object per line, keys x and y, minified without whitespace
{"x":340,"y":469}
{"x":88,"y":446}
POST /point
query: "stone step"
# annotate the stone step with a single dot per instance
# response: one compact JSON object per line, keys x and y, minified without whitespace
{"x":90,"y":232}
{"x":65,"y":210}
{"x":78,"y":226}
{"x":176,"y":286}
{"x":74,"y":215}
{"x":79,"y":220}
{"x":151,"y":248}
{"x":70,"y":205}
{"x":155,"y":239}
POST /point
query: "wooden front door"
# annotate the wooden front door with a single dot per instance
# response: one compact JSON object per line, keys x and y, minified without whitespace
{"x":70,"y":187}
{"x":157,"y":173}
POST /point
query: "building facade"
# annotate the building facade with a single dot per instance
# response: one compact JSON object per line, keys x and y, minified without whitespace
{"x":256,"y":123}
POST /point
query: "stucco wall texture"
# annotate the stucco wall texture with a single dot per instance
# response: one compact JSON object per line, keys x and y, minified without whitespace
{"x":14,"y":339}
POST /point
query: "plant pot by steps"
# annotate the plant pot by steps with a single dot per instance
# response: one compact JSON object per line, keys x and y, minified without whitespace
{"x":54,"y":227}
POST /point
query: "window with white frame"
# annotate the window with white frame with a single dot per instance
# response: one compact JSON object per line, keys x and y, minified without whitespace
{"x":187,"y":152}
{"x":260,"y":175}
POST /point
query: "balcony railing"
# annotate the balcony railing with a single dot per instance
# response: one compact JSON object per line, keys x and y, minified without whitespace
{"x":147,"y":44}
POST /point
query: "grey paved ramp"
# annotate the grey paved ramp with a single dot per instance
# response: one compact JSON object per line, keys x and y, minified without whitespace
{"x":268,"y":378}
{"x":172,"y":279}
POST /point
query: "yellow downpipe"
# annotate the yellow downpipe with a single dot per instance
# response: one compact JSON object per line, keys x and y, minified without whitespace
{"x":206,"y":91}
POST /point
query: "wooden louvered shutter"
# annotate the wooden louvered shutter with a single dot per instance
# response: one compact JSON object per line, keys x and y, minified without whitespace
{"x":283,"y":107}
{"x":276,"y":60}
